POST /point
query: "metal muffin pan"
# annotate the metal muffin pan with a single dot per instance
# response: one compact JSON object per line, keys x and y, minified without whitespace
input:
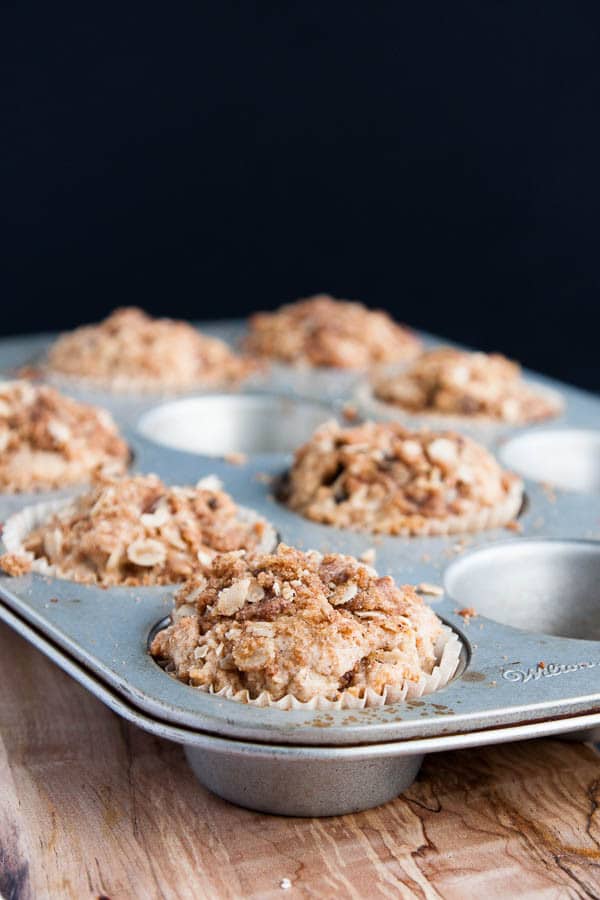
{"x":314,"y":763}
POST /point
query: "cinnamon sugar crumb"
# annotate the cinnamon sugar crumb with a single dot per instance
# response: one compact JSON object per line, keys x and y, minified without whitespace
{"x":467,"y":613}
{"x":515,"y":526}
{"x":15,"y":564}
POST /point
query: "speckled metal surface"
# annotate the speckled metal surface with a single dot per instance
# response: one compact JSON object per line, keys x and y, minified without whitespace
{"x":512,"y":678}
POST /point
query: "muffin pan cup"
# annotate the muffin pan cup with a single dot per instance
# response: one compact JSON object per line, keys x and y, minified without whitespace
{"x":512,"y":681}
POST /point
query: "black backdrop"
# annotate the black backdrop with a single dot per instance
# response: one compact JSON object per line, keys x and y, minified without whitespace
{"x":439,"y":159}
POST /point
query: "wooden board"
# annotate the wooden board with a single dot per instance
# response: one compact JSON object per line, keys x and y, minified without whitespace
{"x":92,"y":807}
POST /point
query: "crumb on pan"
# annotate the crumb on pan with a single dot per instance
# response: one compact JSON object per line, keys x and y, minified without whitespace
{"x":295,"y":623}
{"x":137,"y":531}
{"x":384,"y":478}
{"x":514,"y":525}
{"x":235,"y":459}
{"x":322,"y":331}
{"x":132,"y":350}
{"x":350,"y":412}
{"x":462,"y":383}
{"x":467,"y":613}
{"x":433,"y":590}
{"x":49,"y":441}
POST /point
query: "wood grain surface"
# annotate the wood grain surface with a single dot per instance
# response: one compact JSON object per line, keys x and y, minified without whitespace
{"x":91,"y":807}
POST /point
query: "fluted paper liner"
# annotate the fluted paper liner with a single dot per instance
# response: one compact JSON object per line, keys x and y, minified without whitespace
{"x":23,"y":522}
{"x":447,"y":651}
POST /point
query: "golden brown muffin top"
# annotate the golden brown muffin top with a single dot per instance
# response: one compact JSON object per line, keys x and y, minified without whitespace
{"x":457,"y":382}
{"x":132,"y":350}
{"x":321,"y":331}
{"x":386,"y":478}
{"x":49,"y":441}
{"x":139,"y":531}
{"x":300,"y":624}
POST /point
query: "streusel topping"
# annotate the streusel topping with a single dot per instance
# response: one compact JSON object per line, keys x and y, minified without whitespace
{"x":300,"y":624}
{"x":131,"y":350}
{"x":138,"y":531}
{"x":321,"y":331}
{"x":49,"y":441}
{"x":456,"y":382}
{"x":385,"y":478}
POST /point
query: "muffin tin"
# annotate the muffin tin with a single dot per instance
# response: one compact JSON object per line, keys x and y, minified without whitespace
{"x":531,"y":656}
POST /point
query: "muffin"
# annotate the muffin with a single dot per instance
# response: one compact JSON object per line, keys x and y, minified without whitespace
{"x":450,"y":382}
{"x":321,"y":331}
{"x":48,"y":441}
{"x":383,"y":478}
{"x":289,"y":628}
{"x":131,"y":531}
{"x":131,"y":351}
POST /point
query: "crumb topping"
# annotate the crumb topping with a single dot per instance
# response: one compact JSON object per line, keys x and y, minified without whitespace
{"x":297,"y":623}
{"x":138,"y":531}
{"x":385,"y":478}
{"x":456,"y":382}
{"x":321,"y":331}
{"x":49,"y":441}
{"x":130,"y":348}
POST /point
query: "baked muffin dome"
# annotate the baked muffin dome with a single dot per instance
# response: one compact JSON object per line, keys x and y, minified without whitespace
{"x":384,"y":478}
{"x":289,"y":624}
{"x":131,"y":351}
{"x":48,"y":441}
{"x":132,"y":531}
{"x":321,"y":331}
{"x":453,"y":382}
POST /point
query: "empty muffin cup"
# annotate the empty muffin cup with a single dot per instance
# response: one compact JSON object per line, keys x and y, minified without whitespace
{"x":545,"y":586}
{"x":567,"y":458}
{"x":222,"y":424}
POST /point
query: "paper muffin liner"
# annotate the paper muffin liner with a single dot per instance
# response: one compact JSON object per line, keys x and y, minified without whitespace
{"x":19,"y":525}
{"x":447,"y":651}
{"x":482,"y":519}
{"x":484,"y":427}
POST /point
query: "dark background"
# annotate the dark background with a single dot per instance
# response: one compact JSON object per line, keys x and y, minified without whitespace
{"x":439,"y":159}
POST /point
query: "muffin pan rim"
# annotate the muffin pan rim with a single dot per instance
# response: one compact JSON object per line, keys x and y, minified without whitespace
{"x":372,"y":731}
